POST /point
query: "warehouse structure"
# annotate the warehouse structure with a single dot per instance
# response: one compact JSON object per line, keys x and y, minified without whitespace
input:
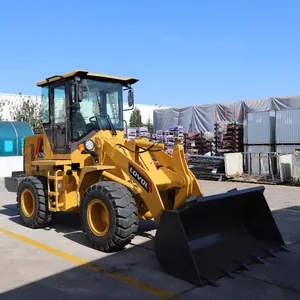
{"x":265,"y":133}
{"x":202,"y":118}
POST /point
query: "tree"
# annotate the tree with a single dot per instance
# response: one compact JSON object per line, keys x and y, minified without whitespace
{"x":29,"y":111}
{"x":149,"y":125}
{"x":135,"y":118}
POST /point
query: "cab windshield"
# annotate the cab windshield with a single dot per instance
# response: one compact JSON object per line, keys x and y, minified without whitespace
{"x":100,"y":109}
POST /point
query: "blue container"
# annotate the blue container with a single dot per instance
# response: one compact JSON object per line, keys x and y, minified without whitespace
{"x":12,"y":137}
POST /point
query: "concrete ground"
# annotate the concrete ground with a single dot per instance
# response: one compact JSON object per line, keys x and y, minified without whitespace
{"x":58,"y":263}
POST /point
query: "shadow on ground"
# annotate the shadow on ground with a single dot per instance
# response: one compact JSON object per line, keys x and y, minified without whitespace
{"x":90,"y":281}
{"x":69,"y":224}
{"x":128,"y":274}
{"x":288,"y":222}
{"x":110,"y":277}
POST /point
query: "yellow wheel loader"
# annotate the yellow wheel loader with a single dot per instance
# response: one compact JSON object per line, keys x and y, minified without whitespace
{"x":82,"y":162}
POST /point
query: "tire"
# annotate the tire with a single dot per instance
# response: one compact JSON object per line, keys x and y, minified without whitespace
{"x":33,"y":194}
{"x":118,"y":204}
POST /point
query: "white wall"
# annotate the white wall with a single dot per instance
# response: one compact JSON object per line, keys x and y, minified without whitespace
{"x":9,"y":164}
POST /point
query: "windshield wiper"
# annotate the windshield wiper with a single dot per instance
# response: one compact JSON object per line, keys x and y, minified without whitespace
{"x":114,"y":132}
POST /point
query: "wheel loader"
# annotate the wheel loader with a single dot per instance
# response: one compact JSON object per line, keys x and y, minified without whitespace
{"x":82,"y":162}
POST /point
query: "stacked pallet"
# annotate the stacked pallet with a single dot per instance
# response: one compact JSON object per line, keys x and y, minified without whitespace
{"x":168,"y":137}
{"x":176,"y":131}
{"x":143,"y":132}
{"x":134,"y":132}
{"x":207,"y":167}
{"x":228,"y":138}
{"x":197,"y":143}
{"x":131,"y":133}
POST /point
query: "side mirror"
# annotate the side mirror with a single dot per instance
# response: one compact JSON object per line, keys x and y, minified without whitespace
{"x":130,"y":98}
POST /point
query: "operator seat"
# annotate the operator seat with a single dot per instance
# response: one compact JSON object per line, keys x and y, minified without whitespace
{"x":78,"y":123}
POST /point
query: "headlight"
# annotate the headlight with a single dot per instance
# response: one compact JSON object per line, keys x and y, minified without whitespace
{"x":89,"y":145}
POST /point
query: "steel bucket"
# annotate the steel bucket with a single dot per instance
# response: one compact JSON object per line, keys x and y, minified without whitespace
{"x":213,"y":236}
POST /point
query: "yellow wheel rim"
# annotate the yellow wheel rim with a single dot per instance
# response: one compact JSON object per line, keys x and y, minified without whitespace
{"x":27,"y":203}
{"x":98,"y":217}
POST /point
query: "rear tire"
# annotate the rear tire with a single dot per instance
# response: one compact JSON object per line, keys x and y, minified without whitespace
{"x":109,"y":216}
{"x":32,"y":202}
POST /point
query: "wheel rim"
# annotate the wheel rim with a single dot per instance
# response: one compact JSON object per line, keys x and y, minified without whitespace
{"x":98,"y":217}
{"x":27,"y":203}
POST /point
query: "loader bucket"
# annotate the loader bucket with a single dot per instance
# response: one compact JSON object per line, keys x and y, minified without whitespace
{"x":213,"y":236}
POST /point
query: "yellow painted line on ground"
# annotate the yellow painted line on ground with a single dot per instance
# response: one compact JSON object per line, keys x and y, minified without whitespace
{"x":123,"y":278}
{"x":286,"y":209}
{"x":275,"y":208}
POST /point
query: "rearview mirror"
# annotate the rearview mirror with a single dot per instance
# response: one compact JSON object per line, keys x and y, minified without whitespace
{"x":130,"y":99}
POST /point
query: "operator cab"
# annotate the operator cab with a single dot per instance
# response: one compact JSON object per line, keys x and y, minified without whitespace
{"x":76,"y":105}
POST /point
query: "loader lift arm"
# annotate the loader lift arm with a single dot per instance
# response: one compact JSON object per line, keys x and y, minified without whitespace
{"x":153,"y":179}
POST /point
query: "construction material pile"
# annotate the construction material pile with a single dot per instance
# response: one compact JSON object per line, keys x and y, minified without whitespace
{"x":169,"y":136}
{"x":143,"y":132}
{"x":176,"y":131}
{"x":207,"y":167}
{"x":133,"y":132}
{"x":198,"y":143}
{"x":228,"y":138}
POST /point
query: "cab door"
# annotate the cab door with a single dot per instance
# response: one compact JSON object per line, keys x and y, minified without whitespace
{"x":59,"y":121}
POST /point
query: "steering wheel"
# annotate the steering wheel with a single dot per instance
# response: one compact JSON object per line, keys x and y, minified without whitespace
{"x":94,"y":117}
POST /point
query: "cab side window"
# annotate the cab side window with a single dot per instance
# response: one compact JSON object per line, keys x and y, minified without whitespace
{"x":45,"y":105}
{"x":59,"y":95}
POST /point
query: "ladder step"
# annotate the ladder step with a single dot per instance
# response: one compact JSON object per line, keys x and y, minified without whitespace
{"x":55,"y":177}
{"x":51,"y":193}
{"x":53,"y":206}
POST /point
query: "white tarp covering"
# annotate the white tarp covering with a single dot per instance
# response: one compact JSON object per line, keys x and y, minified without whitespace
{"x":146,"y":112}
{"x":201,"y":118}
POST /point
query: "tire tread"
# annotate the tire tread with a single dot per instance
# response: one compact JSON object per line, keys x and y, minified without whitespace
{"x":125,"y":211}
{"x":39,"y":187}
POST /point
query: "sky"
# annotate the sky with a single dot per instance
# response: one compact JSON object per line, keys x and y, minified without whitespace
{"x":183,"y":52}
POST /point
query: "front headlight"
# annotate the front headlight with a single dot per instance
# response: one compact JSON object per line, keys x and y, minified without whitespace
{"x":89,"y":145}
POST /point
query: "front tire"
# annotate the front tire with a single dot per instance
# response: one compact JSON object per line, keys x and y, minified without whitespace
{"x":109,"y":216}
{"x":32,"y":202}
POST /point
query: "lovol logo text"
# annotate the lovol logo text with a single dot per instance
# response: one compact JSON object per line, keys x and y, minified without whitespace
{"x":140,"y":178}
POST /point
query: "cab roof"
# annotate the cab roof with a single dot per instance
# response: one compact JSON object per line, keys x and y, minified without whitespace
{"x":86,"y":74}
